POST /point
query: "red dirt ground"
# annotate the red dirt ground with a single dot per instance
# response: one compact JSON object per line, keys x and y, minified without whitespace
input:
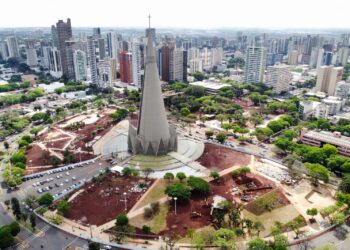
{"x":98,"y":209}
{"x":35,"y":155}
{"x":219,"y":158}
{"x":183,"y":221}
{"x":85,"y":134}
{"x":57,"y":144}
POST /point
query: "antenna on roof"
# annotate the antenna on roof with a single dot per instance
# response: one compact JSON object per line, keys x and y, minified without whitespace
{"x":149,"y":21}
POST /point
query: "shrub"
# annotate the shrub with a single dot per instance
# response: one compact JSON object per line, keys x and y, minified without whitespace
{"x":146,"y":229}
{"x":122,"y":220}
{"x":181,"y":176}
{"x":178,"y":190}
{"x":155,"y":207}
{"x":147,"y":213}
{"x":45,"y":199}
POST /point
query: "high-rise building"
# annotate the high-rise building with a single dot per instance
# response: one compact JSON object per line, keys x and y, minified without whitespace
{"x":125,"y":61}
{"x":112,"y":45}
{"x":4,"y":50}
{"x":327,"y":58}
{"x":55,"y":62}
{"x":32,"y":59}
{"x":254,"y":65}
{"x":70,"y":48}
{"x":343,"y":56}
{"x":151,"y":133}
{"x":63,"y":31}
{"x":327,"y":78}
{"x":92,"y":60}
{"x":196,"y":65}
{"x":101,"y":48}
{"x":80,"y":65}
{"x":137,"y":63}
{"x":151,"y":32}
{"x":293,"y":57}
{"x":278,"y":77}
{"x":96,"y":33}
{"x":105,"y":73}
{"x":12,"y":46}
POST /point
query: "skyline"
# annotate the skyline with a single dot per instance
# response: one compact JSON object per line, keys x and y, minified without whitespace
{"x":269,"y":14}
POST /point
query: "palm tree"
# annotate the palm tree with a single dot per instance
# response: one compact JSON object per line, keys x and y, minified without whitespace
{"x":221,"y":118}
{"x":258,"y":227}
{"x":249,"y":224}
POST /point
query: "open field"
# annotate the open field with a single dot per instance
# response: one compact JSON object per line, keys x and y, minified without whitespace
{"x":103,"y":201}
{"x":219,"y":158}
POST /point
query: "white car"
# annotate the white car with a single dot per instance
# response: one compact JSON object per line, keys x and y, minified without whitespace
{"x":67,"y":173}
{"x":67,"y":180}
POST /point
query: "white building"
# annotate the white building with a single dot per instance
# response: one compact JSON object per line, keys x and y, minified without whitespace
{"x":12,"y":46}
{"x":196,"y":65}
{"x":293,"y":57}
{"x":136,"y":63}
{"x":92,"y":61}
{"x":343,"y":56}
{"x":32,"y":59}
{"x":80,"y":65}
{"x":4,"y":50}
{"x":177,"y":65}
{"x":254,"y":65}
{"x":334,"y":104}
{"x":55,"y":63}
{"x":342,"y":90}
{"x":307,"y":108}
{"x":278,"y":77}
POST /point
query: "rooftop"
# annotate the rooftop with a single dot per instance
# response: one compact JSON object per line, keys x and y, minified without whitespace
{"x":330,"y":138}
{"x":208,"y":84}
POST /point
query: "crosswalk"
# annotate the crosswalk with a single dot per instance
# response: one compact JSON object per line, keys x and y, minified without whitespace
{"x":26,"y":241}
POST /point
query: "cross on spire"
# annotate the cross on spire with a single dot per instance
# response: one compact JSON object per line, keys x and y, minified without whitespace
{"x":149,"y":21}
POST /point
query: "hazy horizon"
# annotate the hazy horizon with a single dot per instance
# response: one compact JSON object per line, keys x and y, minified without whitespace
{"x":180,"y":14}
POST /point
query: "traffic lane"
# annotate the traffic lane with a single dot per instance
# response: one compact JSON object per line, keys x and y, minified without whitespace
{"x":64,"y":182}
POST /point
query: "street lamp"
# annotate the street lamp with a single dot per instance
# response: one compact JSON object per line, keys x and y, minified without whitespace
{"x":175,"y":199}
{"x":125,"y":200}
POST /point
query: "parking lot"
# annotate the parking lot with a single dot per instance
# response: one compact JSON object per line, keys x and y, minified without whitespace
{"x":61,"y":180}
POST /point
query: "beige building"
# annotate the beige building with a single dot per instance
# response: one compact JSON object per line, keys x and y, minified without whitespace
{"x":317,"y":139}
{"x":327,"y":78}
{"x":293,"y":57}
{"x":278,"y":77}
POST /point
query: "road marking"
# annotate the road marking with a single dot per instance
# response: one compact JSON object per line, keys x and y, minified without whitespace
{"x":26,"y":241}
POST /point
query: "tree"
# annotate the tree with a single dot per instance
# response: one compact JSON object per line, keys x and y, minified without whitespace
{"x":45,"y":199}
{"x":19,"y":156}
{"x":329,"y":150}
{"x":283,"y":143}
{"x":256,"y":119}
{"x":168,"y":176}
{"x":257,"y":244}
{"x":221,"y":118}
{"x":94,"y":246}
{"x":63,"y":207}
{"x":14,"y":228}
{"x":6,"y":145}
{"x":126,"y":171}
{"x":317,"y":172}
{"x":32,"y":219}
{"x":312,"y":212}
{"x":185,"y":111}
{"x":224,"y":238}
{"x":181,"y":176}
{"x":13,"y":176}
{"x":55,"y":161}
{"x":122,"y":220}
{"x":16,"y":208}
{"x":240,"y":171}
{"x":198,"y":185}
{"x":196,"y":91}
{"x":277,"y":125}
{"x":199,"y":76}
{"x":221,"y":137}
{"x":122,"y":227}
{"x":6,"y":238}
{"x":215,"y":175}
{"x":345,"y":184}
{"x":178,"y":190}
{"x":209,"y":133}
{"x":258,"y":226}
{"x":147,"y":172}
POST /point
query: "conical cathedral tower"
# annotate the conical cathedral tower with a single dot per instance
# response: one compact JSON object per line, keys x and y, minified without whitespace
{"x":152,"y":134}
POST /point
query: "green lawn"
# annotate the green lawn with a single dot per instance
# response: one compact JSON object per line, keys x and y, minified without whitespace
{"x":157,"y":223}
{"x":155,"y":194}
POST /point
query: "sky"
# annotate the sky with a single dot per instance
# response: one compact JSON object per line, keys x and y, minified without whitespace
{"x":204,"y":14}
